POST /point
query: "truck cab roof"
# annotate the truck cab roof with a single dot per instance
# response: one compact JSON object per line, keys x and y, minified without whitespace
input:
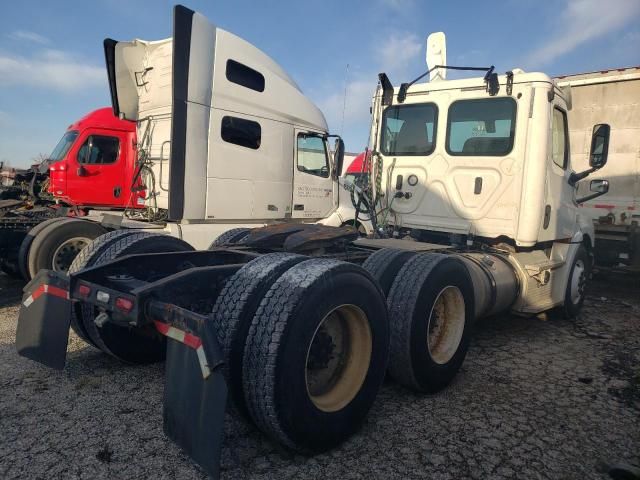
{"x":103,"y":118}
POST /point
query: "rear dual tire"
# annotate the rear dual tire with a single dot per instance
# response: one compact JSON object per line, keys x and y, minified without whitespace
{"x":315,"y":354}
{"x":128,"y":344}
{"x":431,"y":311}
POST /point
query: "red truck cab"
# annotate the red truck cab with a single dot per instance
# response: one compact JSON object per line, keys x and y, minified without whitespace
{"x":94,"y":163}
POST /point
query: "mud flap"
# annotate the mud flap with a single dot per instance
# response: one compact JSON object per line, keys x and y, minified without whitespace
{"x":195,"y":395}
{"x":44,"y":319}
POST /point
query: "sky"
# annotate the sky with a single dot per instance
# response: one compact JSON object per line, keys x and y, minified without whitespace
{"x":52,"y":63}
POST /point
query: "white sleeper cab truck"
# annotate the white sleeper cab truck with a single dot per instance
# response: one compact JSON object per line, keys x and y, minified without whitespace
{"x":226,"y":141}
{"x":613,"y":97}
{"x":297,"y":324}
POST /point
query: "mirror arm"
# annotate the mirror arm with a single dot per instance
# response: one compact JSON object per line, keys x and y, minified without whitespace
{"x":590,"y":197}
{"x":576,"y":177}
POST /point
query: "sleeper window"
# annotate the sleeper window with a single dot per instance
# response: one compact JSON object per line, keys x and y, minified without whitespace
{"x":241,"y":131}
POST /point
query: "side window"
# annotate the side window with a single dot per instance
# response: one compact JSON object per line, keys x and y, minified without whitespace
{"x":559,"y":144}
{"x":245,"y":76}
{"x":104,"y":150}
{"x":483,"y":127}
{"x":241,"y":131}
{"x":312,"y":155}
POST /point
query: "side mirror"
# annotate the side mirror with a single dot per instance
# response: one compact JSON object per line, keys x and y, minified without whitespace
{"x":599,"y":146}
{"x":597,"y":155}
{"x":338,"y":157}
{"x":81,"y":172}
{"x":598,"y":187}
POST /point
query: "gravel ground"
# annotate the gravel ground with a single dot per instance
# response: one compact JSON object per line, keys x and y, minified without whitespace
{"x":535,"y":399}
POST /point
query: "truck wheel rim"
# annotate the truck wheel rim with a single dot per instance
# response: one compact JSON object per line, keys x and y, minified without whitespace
{"x":338,"y":358}
{"x":67,"y":251}
{"x":446,"y":324}
{"x":578,"y":281}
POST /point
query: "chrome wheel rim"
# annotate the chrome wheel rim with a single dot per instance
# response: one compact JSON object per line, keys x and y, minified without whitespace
{"x":578,"y":281}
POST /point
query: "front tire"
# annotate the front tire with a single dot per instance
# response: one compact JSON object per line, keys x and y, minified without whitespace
{"x":576,"y":284}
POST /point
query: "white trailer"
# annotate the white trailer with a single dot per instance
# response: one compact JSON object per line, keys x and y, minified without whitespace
{"x":472,"y":195}
{"x":613,"y":97}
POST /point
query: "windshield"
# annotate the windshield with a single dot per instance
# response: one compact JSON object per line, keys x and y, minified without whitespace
{"x":63,"y":146}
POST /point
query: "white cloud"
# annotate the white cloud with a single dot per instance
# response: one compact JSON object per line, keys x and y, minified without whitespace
{"x":358,"y":100}
{"x":582,"y":21}
{"x":28,"y":36}
{"x":400,"y":55}
{"x":49,"y":69}
{"x":400,"y":51}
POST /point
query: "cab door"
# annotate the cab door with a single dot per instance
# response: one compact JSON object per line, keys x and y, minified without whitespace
{"x":312,"y":177}
{"x":96,"y":170}
{"x":560,"y":215}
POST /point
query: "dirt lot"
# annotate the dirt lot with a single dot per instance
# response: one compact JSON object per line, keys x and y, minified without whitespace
{"x":535,"y":399}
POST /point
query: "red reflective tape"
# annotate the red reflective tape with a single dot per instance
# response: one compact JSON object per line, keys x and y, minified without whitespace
{"x":56,"y":291}
{"x":163,"y":328}
{"x":604,"y":206}
{"x":49,"y":290}
{"x":192,"y":341}
{"x":188,"y":339}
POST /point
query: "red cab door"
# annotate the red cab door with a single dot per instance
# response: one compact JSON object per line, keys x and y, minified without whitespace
{"x":96,"y":169}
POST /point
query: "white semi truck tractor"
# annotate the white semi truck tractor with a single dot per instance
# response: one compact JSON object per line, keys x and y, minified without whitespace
{"x":473,"y":199}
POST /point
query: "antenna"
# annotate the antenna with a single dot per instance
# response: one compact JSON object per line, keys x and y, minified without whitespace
{"x":344,"y":101}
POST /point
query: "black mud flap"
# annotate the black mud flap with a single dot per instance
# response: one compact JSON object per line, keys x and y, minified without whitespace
{"x":45,"y":316}
{"x":195,"y":394}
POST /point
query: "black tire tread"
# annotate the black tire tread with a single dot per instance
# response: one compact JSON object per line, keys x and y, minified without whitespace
{"x":265,"y":336}
{"x":386,"y":263}
{"x":43,"y":235}
{"x":88,"y":257}
{"x":113,"y":249}
{"x":25,"y":246}
{"x":235,"y":308}
{"x":400,"y":303}
{"x":235,"y":235}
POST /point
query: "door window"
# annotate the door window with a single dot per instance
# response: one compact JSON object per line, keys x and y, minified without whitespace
{"x":409,"y":129}
{"x":104,"y":150}
{"x":559,"y":144}
{"x":482,"y":127}
{"x":312,"y":155}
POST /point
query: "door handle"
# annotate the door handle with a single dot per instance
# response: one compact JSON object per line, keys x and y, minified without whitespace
{"x":117,"y":191}
{"x":298,"y":206}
